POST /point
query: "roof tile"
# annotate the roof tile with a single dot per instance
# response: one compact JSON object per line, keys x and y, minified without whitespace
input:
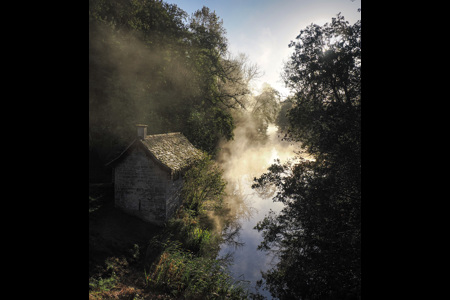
{"x":173,"y":150}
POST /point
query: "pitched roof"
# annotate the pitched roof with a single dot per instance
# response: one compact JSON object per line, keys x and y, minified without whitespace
{"x":172,"y":151}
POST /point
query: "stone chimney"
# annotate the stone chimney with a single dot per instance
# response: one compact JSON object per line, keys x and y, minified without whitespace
{"x":141,"y":131}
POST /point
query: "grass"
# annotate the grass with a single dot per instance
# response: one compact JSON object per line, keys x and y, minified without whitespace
{"x":117,"y":244}
{"x":132,"y":260}
{"x":181,"y":273}
{"x":101,"y":285}
{"x":186,"y":265}
{"x":181,"y":263}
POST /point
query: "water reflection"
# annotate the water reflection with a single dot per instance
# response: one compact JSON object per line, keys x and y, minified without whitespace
{"x":243,"y":160}
{"x":242,"y":240}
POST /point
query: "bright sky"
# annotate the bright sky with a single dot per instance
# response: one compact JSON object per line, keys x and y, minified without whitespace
{"x":263,"y":29}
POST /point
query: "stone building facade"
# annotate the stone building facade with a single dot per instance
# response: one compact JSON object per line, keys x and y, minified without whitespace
{"x":148,"y":175}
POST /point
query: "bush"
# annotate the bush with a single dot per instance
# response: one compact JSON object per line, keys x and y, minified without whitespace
{"x":184,"y":256}
{"x":191,"y":235}
{"x":204,"y":187}
{"x":180,"y":272}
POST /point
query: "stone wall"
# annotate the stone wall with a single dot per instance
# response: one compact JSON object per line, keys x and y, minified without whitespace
{"x":173,"y":197}
{"x":141,"y":188}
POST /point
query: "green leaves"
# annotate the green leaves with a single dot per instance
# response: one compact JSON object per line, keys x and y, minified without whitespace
{"x":187,"y":266}
{"x":149,"y":63}
{"x":204,"y":187}
{"x":205,"y":128}
{"x":191,"y":277}
{"x":317,"y":233}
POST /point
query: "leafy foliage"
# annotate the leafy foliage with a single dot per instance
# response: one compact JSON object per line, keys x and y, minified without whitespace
{"x":325,"y":72}
{"x":318,"y":232}
{"x":282,"y":120}
{"x":265,"y":108}
{"x":266,"y":104}
{"x":206,"y":127}
{"x":179,"y":272}
{"x":204,"y":187}
{"x":184,"y":256}
{"x":149,"y":62}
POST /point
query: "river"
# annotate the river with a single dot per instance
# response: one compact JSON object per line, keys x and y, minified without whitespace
{"x":243,"y":160}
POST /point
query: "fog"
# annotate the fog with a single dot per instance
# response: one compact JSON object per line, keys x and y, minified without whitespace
{"x":133,"y":83}
{"x":132,"y":91}
{"x":243,"y":159}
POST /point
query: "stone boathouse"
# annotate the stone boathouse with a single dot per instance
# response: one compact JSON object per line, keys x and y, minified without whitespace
{"x":148,"y":175}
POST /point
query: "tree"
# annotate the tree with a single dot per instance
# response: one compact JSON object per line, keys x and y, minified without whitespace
{"x":204,"y":187}
{"x":282,"y":120}
{"x":233,"y":86}
{"x":134,"y":46}
{"x":151,"y":63}
{"x":262,"y":110}
{"x":318,"y":232}
{"x":325,"y":72}
{"x":214,"y":118}
{"x":206,"y":126}
{"x":266,"y":105}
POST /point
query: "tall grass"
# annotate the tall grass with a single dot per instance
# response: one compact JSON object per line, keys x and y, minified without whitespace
{"x":183,"y":258}
{"x":102,"y":284}
{"x":192,"y":235}
{"x":181,"y":273}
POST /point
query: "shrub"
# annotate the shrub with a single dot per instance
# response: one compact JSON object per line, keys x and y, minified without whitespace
{"x":183,"y":258}
{"x":204,"y":187}
{"x":180,"y":272}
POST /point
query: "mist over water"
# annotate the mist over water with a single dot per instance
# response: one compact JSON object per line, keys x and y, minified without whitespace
{"x":242,"y":160}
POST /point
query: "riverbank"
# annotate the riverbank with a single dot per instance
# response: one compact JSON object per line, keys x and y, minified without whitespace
{"x":131,"y":259}
{"x":116,"y":244}
{"x":242,"y":160}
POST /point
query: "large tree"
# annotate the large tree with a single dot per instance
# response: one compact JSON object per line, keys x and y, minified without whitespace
{"x":318,"y":232}
{"x":149,"y":62}
{"x":134,"y":49}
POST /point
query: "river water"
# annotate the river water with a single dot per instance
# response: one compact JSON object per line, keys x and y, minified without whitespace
{"x":242,"y":160}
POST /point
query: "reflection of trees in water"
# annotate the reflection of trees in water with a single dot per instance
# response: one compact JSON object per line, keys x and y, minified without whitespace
{"x":266,"y":192}
{"x":269,"y":189}
{"x":231,"y":234}
{"x":237,"y":207}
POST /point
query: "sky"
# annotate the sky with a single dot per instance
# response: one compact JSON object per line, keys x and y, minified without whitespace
{"x":263,"y":29}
